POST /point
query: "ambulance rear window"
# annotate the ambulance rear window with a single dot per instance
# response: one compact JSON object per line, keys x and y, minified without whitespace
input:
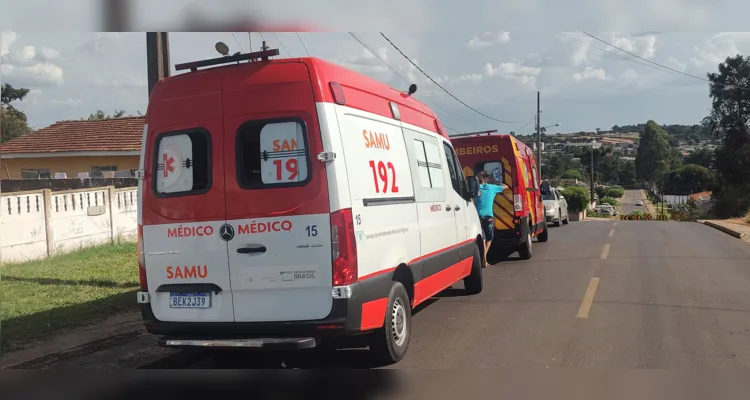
{"x":182,"y":163}
{"x":272,"y":154}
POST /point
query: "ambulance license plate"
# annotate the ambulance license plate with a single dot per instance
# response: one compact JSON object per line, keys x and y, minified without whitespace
{"x":190,"y":300}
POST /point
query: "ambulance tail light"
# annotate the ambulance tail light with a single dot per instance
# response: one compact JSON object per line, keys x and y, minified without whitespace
{"x":141,"y":261}
{"x":343,"y":248}
{"x":517,"y":204}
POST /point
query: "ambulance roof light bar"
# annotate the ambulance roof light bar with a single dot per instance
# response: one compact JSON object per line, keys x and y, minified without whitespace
{"x":226,"y":59}
{"x":475,"y":133}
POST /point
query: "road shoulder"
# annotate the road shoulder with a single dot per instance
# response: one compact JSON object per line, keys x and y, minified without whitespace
{"x":737,"y":230}
{"x":126,"y":324}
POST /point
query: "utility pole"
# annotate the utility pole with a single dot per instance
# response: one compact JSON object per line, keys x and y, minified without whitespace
{"x":592,"y":171}
{"x":116,"y":16}
{"x":538,"y":135}
{"x":157,"y":58}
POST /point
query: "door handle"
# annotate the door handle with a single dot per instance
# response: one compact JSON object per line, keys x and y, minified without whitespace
{"x":252,"y":249}
{"x":447,"y":208}
{"x":458,"y":208}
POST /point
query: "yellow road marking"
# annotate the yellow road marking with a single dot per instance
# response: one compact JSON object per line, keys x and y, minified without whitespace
{"x":611,"y":233}
{"x":605,"y":252}
{"x":588,"y":299}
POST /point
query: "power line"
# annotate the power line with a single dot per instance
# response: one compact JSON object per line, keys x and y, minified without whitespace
{"x":303,"y":43}
{"x":648,"y":61}
{"x":238,"y":42}
{"x":444,"y":89}
{"x":611,"y":53}
{"x":398,"y":73}
{"x":282,"y":43}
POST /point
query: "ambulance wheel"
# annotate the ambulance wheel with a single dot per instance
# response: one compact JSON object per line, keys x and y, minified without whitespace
{"x":389,"y":343}
{"x":544,"y":236}
{"x":524,"y":250}
{"x":474,"y":282}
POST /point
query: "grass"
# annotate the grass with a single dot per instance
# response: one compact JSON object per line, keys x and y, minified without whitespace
{"x":41,"y":298}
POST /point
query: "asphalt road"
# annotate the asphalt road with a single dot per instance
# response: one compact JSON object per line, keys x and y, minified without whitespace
{"x":597,"y":295}
{"x":628,"y":202}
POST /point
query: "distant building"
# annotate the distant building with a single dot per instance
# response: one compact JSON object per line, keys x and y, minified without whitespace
{"x":108,"y":147}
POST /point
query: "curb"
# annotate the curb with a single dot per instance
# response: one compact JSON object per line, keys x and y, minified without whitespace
{"x":728,"y":231}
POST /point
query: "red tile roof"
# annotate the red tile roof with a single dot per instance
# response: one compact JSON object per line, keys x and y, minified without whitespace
{"x":117,"y":134}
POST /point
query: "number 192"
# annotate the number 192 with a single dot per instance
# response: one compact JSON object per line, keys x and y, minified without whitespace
{"x":381,"y":171}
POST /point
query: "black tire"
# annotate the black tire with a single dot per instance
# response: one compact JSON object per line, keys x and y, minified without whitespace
{"x":544,"y":236}
{"x":474,"y":282}
{"x":386,"y":346}
{"x":524,"y":250}
{"x":566,"y":220}
{"x":559,"y":218}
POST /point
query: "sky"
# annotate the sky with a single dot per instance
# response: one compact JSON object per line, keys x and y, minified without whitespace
{"x":487,"y":56}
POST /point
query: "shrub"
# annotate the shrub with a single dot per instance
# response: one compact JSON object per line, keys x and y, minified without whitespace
{"x":609,"y":200}
{"x":572,"y":174}
{"x":601,"y":192}
{"x":615,"y":192}
{"x":578,"y":198}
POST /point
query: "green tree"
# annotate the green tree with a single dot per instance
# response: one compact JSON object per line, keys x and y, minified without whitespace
{"x":99,"y":115}
{"x":572,"y":174}
{"x":652,"y":160}
{"x":13,"y":122}
{"x":627,"y":173}
{"x":615,"y":192}
{"x":691,"y":178}
{"x":556,"y":165}
{"x":578,"y":198}
{"x":702,"y":157}
{"x":729,"y":121}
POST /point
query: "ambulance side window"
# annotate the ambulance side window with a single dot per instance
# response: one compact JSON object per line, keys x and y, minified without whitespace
{"x":183,"y":163}
{"x":272,"y":154}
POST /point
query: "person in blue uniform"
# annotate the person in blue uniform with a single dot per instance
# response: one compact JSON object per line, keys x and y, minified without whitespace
{"x":487,"y":193}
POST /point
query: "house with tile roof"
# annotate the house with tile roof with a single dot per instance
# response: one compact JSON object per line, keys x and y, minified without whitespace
{"x":75,"y":149}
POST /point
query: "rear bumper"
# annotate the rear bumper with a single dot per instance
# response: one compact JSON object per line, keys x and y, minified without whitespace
{"x":512,"y":237}
{"x":345,"y":319}
{"x":259,"y":343}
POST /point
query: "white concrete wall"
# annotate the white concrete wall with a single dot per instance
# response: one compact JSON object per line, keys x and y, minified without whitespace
{"x":35,"y":225}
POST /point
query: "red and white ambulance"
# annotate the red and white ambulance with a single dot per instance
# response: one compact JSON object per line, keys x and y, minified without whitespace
{"x":292,"y":202}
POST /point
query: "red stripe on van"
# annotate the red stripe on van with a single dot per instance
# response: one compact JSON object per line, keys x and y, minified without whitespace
{"x":436,"y":283}
{"x":388,"y":270}
{"x":373,"y":314}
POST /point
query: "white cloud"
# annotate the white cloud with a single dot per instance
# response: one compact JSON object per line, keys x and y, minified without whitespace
{"x":103,"y":42}
{"x":580,"y":56}
{"x":366,"y":62}
{"x":7,"y":38}
{"x":515,"y":71}
{"x":487,"y":39}
{"x":68,"y":102}
{"x":39,"y":74}
{"x":472,"y":78}
{"x":590,"y":73}
{"x":676,"y":64}
{"x":643,"y":46}
{"x":121,"y":83}
{"x":23,"y":66}
{"x":716,"y":50}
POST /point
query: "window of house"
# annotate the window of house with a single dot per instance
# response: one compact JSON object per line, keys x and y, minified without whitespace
{"x":272,"y":154}
{"x":183,"y":164}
